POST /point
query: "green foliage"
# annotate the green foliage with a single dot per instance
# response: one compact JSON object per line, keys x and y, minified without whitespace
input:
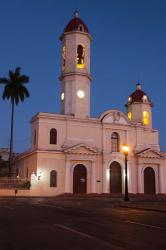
{"x":15,"y":91}
{"x":4,"y":168}
{"x":26,"y":185}
{"x":14,"y":88}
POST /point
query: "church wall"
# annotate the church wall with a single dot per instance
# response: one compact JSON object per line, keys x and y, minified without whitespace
{"x":47,"y":162}
{"x":26,"y":165}
{"x":99,"y":174}
{"x":162,"y":177}
{"x":35,"y":135}
{"x":84,"y":132}
{"x":45,"y":125}
{"x":133,"y":175}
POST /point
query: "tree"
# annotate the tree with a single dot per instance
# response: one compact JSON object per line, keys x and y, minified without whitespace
{"x":15,"y":91}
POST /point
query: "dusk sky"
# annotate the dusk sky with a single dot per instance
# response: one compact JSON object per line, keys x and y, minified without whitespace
{"x":129,"y":45}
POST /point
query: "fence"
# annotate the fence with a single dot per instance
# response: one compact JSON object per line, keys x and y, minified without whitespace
{"x":16,"y":183}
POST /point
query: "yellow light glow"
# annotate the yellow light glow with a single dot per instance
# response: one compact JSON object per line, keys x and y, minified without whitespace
{"x":108,"y":174}
{"x":63,"y":57}
{"x":81,"y":66}
{"x":125,"y":149}
{"x":129,"y":99}
{"x":129,"y":116}
{"x":80,"y":94}
{"x":145,"y":98}
{"x":62,"y":96}
{"x":80,"y":56}
{"x":146,"y":118}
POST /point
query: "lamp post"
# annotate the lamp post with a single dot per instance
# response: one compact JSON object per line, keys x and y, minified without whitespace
{"x":125,"y":149}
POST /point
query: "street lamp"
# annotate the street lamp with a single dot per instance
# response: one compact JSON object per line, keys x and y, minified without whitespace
{"x":125,"y":149}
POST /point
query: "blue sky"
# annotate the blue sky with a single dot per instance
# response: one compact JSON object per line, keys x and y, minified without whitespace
{"x":129,"y":45}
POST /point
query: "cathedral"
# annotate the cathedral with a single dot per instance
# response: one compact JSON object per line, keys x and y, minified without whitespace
{"x":72,"y":152}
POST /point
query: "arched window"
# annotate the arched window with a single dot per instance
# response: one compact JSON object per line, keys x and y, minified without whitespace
{"x":80,"y":56}
{"x":129,"y":115}
{"x":115,"y":142}
{"x":53,"y":178}
{"x":53,"y":136}
{"x":63,"y":57}
{"x":34,"y":138}
{"x":27,"y":173}
{"x":146,"y":118}
{"x":81,"y":27}
{"x":17,"y":172}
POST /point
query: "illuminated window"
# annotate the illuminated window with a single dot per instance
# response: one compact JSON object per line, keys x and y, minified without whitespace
{"x":53,"y":136}
{"x":145,"y":98}
{"x":53,"y":178}
{"x":115,"y":142}
{"x":129,"y":116}
{"x":146,"y":118}
{"x":63,"y":57}
{"x":129,"y":99}
{"x":80,"y":56}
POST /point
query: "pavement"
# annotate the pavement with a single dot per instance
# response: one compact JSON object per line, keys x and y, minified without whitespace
{"x":155,"y":203}
{"x":82,"y":222}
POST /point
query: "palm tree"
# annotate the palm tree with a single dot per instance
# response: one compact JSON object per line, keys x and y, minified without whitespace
{"x":15,"y":91}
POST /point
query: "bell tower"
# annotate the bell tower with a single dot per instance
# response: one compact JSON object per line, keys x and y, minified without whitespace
{"x":75,"y":70}
{"x":139,"y":107}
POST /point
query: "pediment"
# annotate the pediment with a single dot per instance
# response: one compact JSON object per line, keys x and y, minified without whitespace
{"x":81,"y":149}
{"x":114,"y":116}
{"x":150,"y":153}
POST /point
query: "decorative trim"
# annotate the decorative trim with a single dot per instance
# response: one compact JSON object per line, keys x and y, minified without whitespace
{"x":74,"y":147}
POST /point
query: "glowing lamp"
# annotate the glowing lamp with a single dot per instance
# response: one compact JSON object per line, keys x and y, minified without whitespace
{"x":125,"y":149}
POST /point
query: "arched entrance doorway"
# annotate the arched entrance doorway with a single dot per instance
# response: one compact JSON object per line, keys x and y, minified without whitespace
{"x":80,"y":179}
{"x":149,"y":181}
{"x":115,"y":178}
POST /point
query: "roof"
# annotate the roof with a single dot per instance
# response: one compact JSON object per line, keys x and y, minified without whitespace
{"x":138,"y":96}
{"x":76,"y":24}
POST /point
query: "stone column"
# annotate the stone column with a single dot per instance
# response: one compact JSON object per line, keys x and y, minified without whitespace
{"x":93,"y":178}
{"x":105,"y":178}
{"x":68,"y":178}
{"x":160,"y":179}
{"x":140,"y":179}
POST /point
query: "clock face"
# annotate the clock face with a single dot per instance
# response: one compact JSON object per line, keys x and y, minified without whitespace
{"x":81,"y":94}
{"x":62,"y":96}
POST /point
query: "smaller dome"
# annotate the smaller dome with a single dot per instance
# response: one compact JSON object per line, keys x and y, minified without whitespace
{"x":76,"y":24}
{"x":138,"y":96}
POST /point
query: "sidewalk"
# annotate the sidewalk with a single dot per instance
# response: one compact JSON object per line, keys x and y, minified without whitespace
{"x":154,"y":203}
{"x":154,"y":206}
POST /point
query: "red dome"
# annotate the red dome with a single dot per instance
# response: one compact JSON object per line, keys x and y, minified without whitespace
{"x":76,"y":24}
{"x":138,"y":96}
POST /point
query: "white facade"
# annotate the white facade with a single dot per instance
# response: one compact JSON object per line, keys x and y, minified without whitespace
{"x":85,"y":153}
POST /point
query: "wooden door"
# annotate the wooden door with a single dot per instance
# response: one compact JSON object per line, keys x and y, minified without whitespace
{"x":149,"y":181}
{"x":115,"y":178}
{"x":80,"y":179}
